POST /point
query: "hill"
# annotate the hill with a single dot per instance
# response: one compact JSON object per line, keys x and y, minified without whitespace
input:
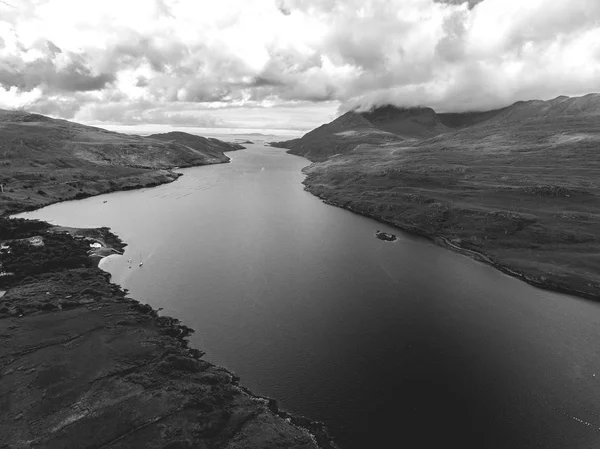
{"x":338,"y":137}
{"x":516,"y":187}
{"x":44,"y":160}
{"x":379,"y":126}
{"x":208,"y":146}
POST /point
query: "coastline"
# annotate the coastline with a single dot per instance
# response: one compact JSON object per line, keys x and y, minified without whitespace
{"x":205,"y":402}
{"x":172,"y":177}
{"x":175,"y":176}
{"x":547,"y":284}
{"x":151,"y":178}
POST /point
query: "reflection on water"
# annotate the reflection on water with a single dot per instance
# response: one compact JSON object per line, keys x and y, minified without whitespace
{"x":399,"y":344}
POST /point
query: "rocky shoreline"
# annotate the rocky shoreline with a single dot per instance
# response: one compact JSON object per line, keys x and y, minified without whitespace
{"x":82,"y":365}
{"x":547,"y":283}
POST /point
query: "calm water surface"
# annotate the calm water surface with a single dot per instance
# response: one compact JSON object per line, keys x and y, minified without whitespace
{"x":393,"y":345}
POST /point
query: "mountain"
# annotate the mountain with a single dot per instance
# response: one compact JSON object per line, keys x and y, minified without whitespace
{"x":338,"y":137}
{"x":390,"y":124}
{"x":380,"y":126}
{"x":44,"y":160}
{"x":406,"y":122}
{"x":515,"y":187}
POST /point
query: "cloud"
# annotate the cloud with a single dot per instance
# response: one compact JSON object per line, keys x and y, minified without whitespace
{"x":451,"y":47}
{"x":188,"y":62}
{"x":489,"y":54}
{"x":141,"y":112}
{"x":470,"y":3}
{"x":282,"y":8}
{"x":44,"y":65}
{"x":60,"y":106}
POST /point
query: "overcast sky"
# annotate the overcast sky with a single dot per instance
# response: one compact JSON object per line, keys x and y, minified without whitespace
{"x":288,"y":64}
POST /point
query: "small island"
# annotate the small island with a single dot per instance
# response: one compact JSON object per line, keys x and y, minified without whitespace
{"x":385,"y":236}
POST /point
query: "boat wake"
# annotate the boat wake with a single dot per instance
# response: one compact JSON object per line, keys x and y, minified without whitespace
{"x":579,"y":420}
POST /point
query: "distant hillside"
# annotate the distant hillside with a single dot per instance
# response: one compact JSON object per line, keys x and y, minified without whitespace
{"x":557,"y":109}
{"x":383,"y":125}
{"x":516,"y":187}
{"x":209,"y":146}
{"x":338,"y":137}
{"x":409,"y":122}
{"x":464,"y":119}
{"x":560,"y":108}
{"x":391,"y":124}
{"x":44,"y":160}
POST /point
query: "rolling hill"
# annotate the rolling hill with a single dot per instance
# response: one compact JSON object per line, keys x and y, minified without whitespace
{"x":516,"y":187}
{"x":206,"y":146}
{"x":44,"y":160}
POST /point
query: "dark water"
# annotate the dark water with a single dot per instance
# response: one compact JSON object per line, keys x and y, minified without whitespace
{"x":393,"y":345}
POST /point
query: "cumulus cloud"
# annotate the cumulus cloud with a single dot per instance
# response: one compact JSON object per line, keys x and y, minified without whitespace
{"x":193,"y":63}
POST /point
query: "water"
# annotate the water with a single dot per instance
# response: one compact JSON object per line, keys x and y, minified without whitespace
{"x":393,"y":345}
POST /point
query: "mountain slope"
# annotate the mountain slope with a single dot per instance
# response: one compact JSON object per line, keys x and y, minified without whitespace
{"x":44,"y":160}
{"x":380,"y":126}
{"x":338,"y":137}
{"x":391,"y":124}
{"x":464,"y":119}
{"x":406,"y":122}
{"x":208,"y":146}
{"x":557,"y":109}
{"x":518,"y":185}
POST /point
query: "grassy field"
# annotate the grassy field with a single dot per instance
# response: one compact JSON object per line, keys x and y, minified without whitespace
{"x":521,"y":187}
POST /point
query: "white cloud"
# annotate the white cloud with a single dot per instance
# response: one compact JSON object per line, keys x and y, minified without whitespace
{"x":212,"y":62}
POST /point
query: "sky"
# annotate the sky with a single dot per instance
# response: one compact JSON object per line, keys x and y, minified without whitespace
{"x":287,"y":65}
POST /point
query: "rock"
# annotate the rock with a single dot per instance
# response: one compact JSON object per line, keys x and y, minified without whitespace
{"x":385,"y":236}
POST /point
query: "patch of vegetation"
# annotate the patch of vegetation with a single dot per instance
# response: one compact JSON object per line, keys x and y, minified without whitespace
{"x":59,"y":252}
{"x":19,"y":228}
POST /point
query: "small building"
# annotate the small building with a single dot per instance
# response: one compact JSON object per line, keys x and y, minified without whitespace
{"x":36,"y":241}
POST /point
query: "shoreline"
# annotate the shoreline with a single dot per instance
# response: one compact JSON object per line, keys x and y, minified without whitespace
{"x":84,"y":195}
{"x":81,"y":196}
{"x":442,"y":241}
{"x":265,"y":426}
{"x":169,"y":176}
{"x":129,"y":317}
{"x":317,"y":429}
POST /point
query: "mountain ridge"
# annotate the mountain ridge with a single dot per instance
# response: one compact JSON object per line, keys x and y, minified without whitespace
{"x":423,"y":123}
